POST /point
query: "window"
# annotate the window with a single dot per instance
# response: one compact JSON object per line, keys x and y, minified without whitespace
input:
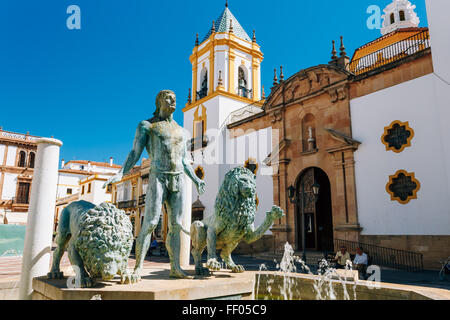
{"x":242,"y":83}
{"x":204,"y":84}
{"x":89,"y":188}
{"x":22,"y":159}
{"x":403,"y":186}
{"x":402,"y":15}
{"x":69,"y":191}
{"x":82,"y":190}
{"x":309,"y":134}
{"x":251,"y":165}
{"x":397,"y":136}
{"x":199,"y":127}
{"x":109,"y":188}
{"x":31,"y":160}
{"x":392,"y":18}
{"x":23,"y":193}
{"x":200,"y":172}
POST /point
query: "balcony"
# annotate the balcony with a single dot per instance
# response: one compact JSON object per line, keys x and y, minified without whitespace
{"x":390,"y":54}
{"x":126,"y":204}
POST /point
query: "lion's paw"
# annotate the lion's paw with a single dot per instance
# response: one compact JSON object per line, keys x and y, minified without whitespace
{"x":86,"y":282}
{"x":276,"y":213}
{"x":127,"y":278}
{"x":56,"y":274}
{"x":202,"y":272}
{"x":213,"y":264}
{"x":135,"y":277}
{"x":237,"y":268}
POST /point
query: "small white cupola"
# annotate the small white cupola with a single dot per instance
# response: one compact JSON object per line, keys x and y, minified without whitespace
{"x":399,"y":14}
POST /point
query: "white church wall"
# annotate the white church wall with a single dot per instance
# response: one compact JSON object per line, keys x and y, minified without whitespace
{"x":439,"y":33}
{"x":257,"y":145}
{"x":413,"y":101}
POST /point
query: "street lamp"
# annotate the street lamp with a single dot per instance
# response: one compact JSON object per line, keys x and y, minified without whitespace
{"x":294,"y":198}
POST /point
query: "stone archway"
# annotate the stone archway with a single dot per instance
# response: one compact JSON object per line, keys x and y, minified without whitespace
{"x":318,"y":218}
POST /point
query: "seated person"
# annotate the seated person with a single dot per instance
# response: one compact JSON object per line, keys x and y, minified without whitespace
{"x":341,"y":258}
{"x":153,"y":246}
{"x":360,"y":262}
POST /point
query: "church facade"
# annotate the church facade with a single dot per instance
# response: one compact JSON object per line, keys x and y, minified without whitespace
{"x":369,"y":132}
{"x":356,"y":147}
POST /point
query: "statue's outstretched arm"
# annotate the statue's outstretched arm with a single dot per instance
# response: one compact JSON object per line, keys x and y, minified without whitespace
{"x":140,"y":141}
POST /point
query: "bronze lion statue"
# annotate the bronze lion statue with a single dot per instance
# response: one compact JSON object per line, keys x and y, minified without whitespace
{"x":232,"y":221}
{"x":98,"y":241}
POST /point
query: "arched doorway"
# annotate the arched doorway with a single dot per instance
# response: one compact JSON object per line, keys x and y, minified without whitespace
{"x":318,"y":219}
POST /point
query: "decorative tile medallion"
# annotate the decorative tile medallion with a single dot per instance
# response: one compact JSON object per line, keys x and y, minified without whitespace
{"x":397,"y":136}
{"x":403,"y":186}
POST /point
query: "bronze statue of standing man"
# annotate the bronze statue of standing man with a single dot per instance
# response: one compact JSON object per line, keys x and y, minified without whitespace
{"x":165,"y":142}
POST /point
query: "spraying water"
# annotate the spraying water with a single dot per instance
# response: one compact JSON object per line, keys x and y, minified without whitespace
{"x":324,"y":284}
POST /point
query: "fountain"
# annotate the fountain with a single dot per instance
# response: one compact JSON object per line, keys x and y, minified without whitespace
{"x":12,"y":239}
{"x":330,"y":284}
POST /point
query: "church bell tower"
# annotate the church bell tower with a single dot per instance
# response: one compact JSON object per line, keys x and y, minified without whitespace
{"x":226,"y":76}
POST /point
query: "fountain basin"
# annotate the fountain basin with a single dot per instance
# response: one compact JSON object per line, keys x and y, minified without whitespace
{"x":278,"y":286}
{"x":12,"y":239}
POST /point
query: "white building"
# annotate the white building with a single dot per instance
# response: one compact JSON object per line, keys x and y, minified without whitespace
{"x":83,"y":180}
{"x":17,"y":159}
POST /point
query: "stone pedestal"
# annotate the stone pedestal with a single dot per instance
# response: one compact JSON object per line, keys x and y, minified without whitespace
{"x":38,"y":237}
{"x":155,"y":285}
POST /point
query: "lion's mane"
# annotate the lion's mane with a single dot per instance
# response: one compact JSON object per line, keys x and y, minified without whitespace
{"x":105,"y":233}
{"x":230,"y":204}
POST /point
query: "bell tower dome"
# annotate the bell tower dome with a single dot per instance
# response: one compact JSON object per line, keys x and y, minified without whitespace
{"x":399,"y":14}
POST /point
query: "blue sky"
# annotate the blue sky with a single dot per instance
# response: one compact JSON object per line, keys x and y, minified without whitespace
{"x":90,"y":87}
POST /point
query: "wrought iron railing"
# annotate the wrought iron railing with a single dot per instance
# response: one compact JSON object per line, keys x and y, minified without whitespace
{"x":388,"y":257}
{"x":126,"y":204}
{"x":395,"y":52}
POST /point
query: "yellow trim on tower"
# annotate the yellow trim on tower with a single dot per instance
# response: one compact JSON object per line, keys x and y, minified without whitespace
{"x":255,"y":88}
{"x":225,"y":94}
{"x":202,"y":118}
{"x":231,"y":43}
{"x":231,"y":58}
{"x":211,"y":71}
